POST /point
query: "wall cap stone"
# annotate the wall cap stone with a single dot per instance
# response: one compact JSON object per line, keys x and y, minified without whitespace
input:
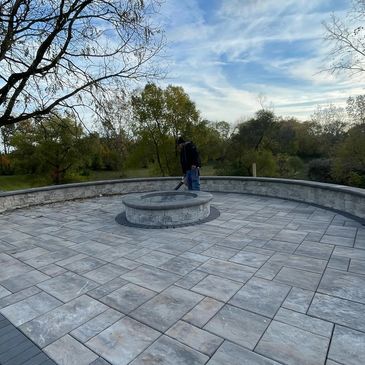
{"x":84,"y":184}
{"x":313,"y":184}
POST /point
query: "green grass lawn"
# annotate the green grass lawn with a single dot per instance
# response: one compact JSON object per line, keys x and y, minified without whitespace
{"x":17,"y":182}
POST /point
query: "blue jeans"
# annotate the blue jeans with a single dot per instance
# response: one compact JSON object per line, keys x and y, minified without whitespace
{"x":193,"y":179}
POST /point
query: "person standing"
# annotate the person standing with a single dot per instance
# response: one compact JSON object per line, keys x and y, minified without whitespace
{"x":190,"y":163}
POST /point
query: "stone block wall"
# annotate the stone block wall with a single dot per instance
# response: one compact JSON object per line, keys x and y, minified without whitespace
{"x":337,"y":197}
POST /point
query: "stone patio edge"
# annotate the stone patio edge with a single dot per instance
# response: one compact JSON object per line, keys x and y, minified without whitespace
{"x":336,"y":197}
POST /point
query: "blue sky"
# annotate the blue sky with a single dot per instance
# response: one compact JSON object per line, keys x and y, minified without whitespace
{"x":225,"y":53}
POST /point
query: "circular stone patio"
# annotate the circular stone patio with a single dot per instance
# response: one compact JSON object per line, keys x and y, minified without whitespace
{"x":269,"y":282}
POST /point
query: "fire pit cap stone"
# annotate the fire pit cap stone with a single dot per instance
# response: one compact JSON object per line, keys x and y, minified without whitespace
{"x":169,"y":199}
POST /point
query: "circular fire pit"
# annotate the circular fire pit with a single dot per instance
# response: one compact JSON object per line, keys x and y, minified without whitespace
{"x":167,"y":208}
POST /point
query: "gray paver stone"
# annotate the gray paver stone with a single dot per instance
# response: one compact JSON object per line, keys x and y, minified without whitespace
{"x":29,"y":308}
{"x":151,"y":278}
{"x":29,"y":254}
{"x":250,"y":258}
{"x":24,"y":281}
{"x":105,"y":273}
{"x":229,"y":270}
{"x":299,"y":262}
{"x":166,"y":351}
{"x":17,"y":297}
{"x":107,"y":288}
{"x":292,"y":346}
{"x":261,"y":296}
{"x":4,"y":292}
{"x":339,"y":262}
{"x":162,"y":311}
{"x":349,"y":252}
{"x":357,"y":266}
{"x":281,"y":246}
{"x":83,"y":265}
{"x":180,"y":265}
{"x":344,"y":285}
{"x":220,"y":252}
{"x":10,"y":267}
{"x":217,"y":287}
{"x":232,"y":354}
{"x":195,"y":337}
{"x":191,"y":279}
{"x":128,"y":264}
{"x":298,"y":278}
{"x":96,"y":325}
{"x":50,"y":258}
{"x":347,"y":346}
{"x":52,"y":270}
{"x":123,"y":341}
{"x":49,"y":327}
{"x":307,"y":323}
{"x":349,"y":232}
{"x":155,"y":258}
{"x":338,"y":240}
{"x":100,"y":361}
{"x":268,"y":271}
{"x":68,"y":351}
{"x":92,"y":248}
{"x":298,"y":300}
{"x":203,"y":312}
{"x":315,"y":249}
{"x":291,"y":236}
{"x":237,"y":325}
{"x":337,"y":310}
{"x":128,"y":297}
{"x":67,"y":286}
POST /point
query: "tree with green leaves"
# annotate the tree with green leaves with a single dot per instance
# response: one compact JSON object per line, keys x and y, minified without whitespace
{"x":333,"y":124}
{"x":308,"y":135}
{"x":53,"y":146}
{"x":256,"y":132}
{"x":159,"y":117}
{"x":250,"y":143}
{"x":223,"y":128}
{"x":6,"y":132}
{"x":113,"y":122}
{"x":181,"y":112}
{"x":284,"y":137}
{"x":150,"y":123}
{"x":349,"y":162}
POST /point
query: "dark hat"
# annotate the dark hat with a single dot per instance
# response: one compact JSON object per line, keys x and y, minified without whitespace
{"x":180,"y":140}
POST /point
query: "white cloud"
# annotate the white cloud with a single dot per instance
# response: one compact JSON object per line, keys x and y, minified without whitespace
{"x":204,"y":45}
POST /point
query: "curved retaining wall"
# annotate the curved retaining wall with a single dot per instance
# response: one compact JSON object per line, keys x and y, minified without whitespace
{"x":336,"y":197}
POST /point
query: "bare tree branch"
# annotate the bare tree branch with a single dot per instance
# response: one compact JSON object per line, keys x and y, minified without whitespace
{"x":347,"y":37}
{"x":58,"y":53}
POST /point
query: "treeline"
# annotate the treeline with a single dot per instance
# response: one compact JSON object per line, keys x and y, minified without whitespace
{"x":329,"y":148}
{"x":140,"y":133}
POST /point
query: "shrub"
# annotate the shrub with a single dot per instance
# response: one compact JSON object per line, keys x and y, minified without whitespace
{"x":320,"y":170}
{"x":6,"y":167}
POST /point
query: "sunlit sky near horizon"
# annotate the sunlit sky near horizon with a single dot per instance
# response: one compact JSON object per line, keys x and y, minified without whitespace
{"x":225,"y":53}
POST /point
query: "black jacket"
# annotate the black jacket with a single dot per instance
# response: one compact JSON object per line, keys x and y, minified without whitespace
{"x":189,"y":156}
